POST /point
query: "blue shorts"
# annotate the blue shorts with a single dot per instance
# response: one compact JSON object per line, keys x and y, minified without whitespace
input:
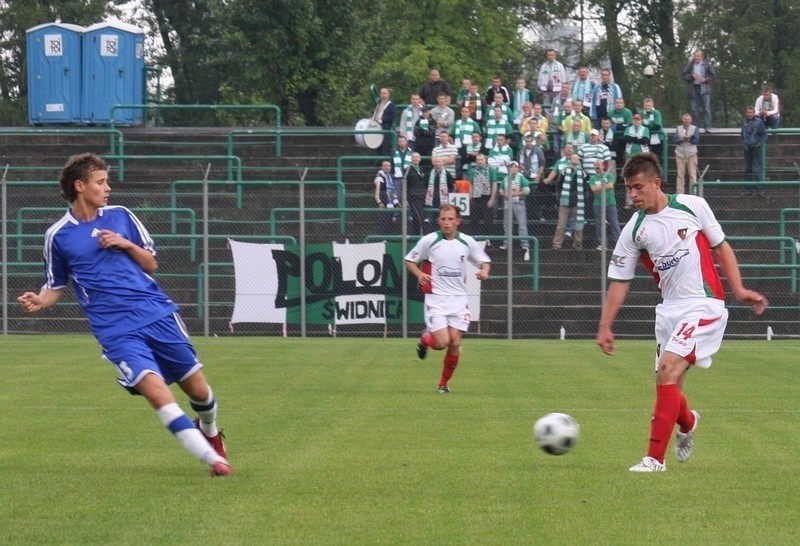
{"x":162,"y":348}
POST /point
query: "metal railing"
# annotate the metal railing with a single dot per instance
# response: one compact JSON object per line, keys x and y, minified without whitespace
{"x":191,"y":222}
{"x":697,"y":188}
{"x":197,"y":107}
{"x":281,"y":132}
{"x":784,"y":242}
{"x":234,"y":163}
{"x":175,"y":192}
{"x":115,"y":138}
{"x":535,"y":259}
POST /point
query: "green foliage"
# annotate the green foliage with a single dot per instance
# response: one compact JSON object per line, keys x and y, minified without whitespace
{"x":344,"y":441}
{"x":316,"y":59}
{"x":751,"y":44}
{"x":462,"y":39}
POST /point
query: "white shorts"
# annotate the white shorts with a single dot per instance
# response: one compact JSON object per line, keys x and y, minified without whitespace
{"x":443,"y":311}
{"x":692,"y":329}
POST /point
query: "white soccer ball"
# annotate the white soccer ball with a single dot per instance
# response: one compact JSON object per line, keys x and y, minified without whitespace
{"x":556,"y":433}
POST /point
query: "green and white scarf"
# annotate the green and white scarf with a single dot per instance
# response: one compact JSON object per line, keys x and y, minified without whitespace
{"x":570,"y":173}
{"x":443,"y":189}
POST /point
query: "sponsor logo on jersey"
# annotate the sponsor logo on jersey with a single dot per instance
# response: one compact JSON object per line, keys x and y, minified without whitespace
{"x":640,"y":236}
{"x":448,"y":272}
{"x":682,"y":233}
{"x":663,"y":263}
{"x":618,"y":261}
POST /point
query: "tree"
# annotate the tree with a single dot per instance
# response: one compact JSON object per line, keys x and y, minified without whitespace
{"x":460,"y":38}
{"x":751,"y":44}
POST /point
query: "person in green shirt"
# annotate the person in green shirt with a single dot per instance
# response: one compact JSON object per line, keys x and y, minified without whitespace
{"x":651,"y":118}
{"x":621,"y":117}
{"x":603,"y":183}
{"x":637,"y":138}
{"x":515,"y":188}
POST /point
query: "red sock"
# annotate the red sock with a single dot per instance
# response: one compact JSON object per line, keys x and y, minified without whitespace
{"x":685,"y":416}
{"x":427,"y":340}
{"x":448,"y":368}
{"x":665,"y":414}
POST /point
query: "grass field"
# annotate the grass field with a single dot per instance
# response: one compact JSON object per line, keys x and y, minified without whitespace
{"x":344,"y":441}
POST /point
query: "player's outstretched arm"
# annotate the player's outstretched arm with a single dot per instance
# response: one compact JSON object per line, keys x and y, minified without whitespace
{"x":617,"y":292}
{"x":730,"y":268}
{"x":32,"y":302}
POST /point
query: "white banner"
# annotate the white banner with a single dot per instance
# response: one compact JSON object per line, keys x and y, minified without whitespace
{"x":359,"y":277}
{"x":256,"y":283}
{"x":360,"y":264}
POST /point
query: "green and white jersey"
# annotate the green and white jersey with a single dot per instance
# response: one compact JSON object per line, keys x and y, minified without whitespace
{"x":400,"y":162}
{"x":600,"y":180}
{"x":576,"y":139}
{"x":408,"y":119}
{"x":500,"y":158}
{"x":589,"y":153}
{"x":620,"y":119}
{"x":519,"y":182}
{"x":494,"y":128}
{"x":675,"y":245}
{"x":462,"y":131}
{"x":633,"y":148}
{"x":652,"y":120}
{"x":489,"y":112}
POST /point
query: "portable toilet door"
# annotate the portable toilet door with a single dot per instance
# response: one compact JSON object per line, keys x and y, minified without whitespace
{"x":54,"y":63}
{"x":113,"y":73}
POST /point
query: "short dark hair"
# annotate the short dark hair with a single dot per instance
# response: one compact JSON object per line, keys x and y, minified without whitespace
{"x":645,"y":163}
{"x":78,"y":168}
{"x":450,"y":206}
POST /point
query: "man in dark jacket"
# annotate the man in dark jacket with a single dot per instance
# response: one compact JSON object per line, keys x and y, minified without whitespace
{"x":754,"y":135}
{"x":699,"y":74}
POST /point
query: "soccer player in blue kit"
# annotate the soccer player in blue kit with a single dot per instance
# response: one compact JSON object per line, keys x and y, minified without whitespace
{"x":109,"y":256}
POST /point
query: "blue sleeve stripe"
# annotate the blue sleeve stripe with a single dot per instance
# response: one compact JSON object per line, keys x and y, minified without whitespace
{"x":147,"y":241}
{"x":179,"y":424}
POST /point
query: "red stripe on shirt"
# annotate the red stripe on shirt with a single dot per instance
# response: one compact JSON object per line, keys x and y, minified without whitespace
{"x":711,"y":280}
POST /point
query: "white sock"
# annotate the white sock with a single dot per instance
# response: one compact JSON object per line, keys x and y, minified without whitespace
{"x":206,"y":411}
{"x":176,"y":421}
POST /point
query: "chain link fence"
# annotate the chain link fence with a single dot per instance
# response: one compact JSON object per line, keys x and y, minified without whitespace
{"x":307,"y":252}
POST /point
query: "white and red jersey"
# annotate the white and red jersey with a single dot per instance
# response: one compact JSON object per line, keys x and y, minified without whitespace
{"x":675,"y":245}
{"x":448,"y":261}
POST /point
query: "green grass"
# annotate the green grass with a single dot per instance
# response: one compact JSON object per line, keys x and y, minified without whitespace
{"x":344,"y":441}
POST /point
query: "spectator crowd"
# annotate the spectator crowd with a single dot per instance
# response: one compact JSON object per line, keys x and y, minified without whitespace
{"x":551,"y":151}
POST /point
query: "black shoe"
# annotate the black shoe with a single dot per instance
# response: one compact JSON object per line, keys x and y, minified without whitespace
{"x":422,"y":351}
{"x":443,"y":389}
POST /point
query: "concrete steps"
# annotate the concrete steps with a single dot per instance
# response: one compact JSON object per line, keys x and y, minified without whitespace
{"x":569,"y":285}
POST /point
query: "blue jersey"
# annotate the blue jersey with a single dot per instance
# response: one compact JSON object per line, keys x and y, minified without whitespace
{"x":116,"y":295}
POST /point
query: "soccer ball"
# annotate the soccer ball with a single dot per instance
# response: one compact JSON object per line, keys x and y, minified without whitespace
{"x":556,"y":433}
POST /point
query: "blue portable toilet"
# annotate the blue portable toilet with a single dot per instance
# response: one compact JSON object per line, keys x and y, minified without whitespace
{"x":113,"y":72}
{"x":54,"y":62}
